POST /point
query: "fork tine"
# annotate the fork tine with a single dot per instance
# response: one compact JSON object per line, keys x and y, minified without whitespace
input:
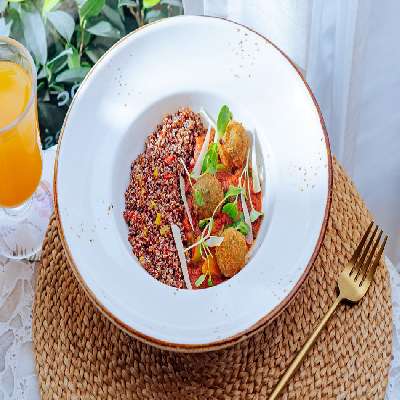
{"x":365,"y":267}
{"x":360,"y":261}
{"x":361,"y":244}
{"x":372,"y":270}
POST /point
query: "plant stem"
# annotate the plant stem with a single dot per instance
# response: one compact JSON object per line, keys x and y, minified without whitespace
{"x":83,"y":25}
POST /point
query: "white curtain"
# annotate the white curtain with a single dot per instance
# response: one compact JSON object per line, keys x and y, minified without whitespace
{"x":350,"y":55}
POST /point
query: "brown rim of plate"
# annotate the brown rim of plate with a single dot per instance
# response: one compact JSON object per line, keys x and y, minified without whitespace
{"x":270,"y":316}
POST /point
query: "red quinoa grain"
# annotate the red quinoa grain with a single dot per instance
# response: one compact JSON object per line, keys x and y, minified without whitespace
{"x":154,"y":190}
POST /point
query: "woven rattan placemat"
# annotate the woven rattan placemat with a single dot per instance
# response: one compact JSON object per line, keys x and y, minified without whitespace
{"x":81,"y":355}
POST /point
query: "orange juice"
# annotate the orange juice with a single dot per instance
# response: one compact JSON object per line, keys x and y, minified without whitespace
{"x":20,"y":158}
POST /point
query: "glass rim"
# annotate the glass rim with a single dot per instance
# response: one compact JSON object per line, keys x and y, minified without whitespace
{"x":25,"y":53}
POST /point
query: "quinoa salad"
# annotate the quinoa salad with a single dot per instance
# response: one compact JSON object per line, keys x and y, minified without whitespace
{"x":193,"y":203}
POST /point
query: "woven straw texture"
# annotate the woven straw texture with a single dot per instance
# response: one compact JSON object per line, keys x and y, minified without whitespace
{"x":81,"y":355}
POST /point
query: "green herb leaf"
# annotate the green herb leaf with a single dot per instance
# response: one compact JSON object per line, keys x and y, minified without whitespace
{"x":90,"y":8}
{"x":221,"y":167}
{"x":203,"y":223}
{"x":224,"y":117}
{"x":210,"y":282}
{"x":150,"y":3}
{"x":254,"y":215}
{"x":63,"y":23}
{"x":231,"y":209}
{"x":73,"y":75}
{"x":104,"y":29}
{"x":200,"y":280}
{"x":210,"y":160}
{"x":48,"y":5}
{"x":234,"y":191}
{"x":242,"y":227}
{"x":198,"y":198}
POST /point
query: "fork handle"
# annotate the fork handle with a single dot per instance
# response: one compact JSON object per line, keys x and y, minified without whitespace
{"x":303,"y":352}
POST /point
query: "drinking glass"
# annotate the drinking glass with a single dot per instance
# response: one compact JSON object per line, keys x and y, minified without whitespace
{"x":25,"y":202}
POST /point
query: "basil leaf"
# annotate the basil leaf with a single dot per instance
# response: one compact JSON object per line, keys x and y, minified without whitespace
{"x":224,"y":117}
{"x":242,"y":227}
{"x":254,"y":215}
{"x":203,"y":223}
{"x":198,"y":198}
{"x":231,"y":210}
{"x":210,"y":282}
{"x":234,"y":191}
{"x":210,"y":160}
{"x":200,"y":280}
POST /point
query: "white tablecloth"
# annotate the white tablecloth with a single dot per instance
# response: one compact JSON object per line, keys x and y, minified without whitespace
{"x":17,"y":278}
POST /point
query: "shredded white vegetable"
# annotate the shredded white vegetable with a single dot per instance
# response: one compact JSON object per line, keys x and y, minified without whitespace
{"x":214,"y":241}
{"x":176,"y":233}
{"x":185,"y":203}
{"x":199,"y":162}
{"x":249,"y":237}
{"x":207,"y":116}
{"x":254,"y":166}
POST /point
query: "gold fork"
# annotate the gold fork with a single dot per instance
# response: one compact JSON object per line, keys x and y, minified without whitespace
{"x":353,"y":283}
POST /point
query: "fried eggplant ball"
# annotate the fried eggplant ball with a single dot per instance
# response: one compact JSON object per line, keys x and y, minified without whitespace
{"x":234,"y":145}
{"x":211,"y":193}
{"x":231,"y":253}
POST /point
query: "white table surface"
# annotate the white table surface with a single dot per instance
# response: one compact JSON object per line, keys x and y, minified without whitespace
{"x":17,"y":278}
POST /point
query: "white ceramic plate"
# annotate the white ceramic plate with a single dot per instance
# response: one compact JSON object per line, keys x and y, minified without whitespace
{"x":191,"y":61}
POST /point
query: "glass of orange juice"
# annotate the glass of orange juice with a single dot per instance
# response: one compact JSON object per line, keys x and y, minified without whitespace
{"x":25,"y":202}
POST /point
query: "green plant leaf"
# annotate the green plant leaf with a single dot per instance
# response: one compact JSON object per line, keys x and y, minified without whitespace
{"x":74,"y":59}
{"x":3,"y":5}
{"x":114,"y":17}
{"x":210,"y":282}
{"x":94,"y":53}
{"x":234,"y":191}
{"x":128,"y":3}
{"x":174,"y":3}
{"x":63,"y":23}
{"x":254,"y":215}
{"x":203,"y":223}
{"x":48,"y":5}
{"x":72,"y":75}
{"x":15,"y":1}
{"x":104,"y":29}
{"x":154,"y":15}
{"x":5,"y":27}
{"x":210,"y":160}
{"x":242,"y":227}
{"x":200,"y":280}
{"x":231,"y":209}
{"x":90,"y":8}
{"x":198,"y":198}
{"x":35,"y":35}
{"x":224,"y":117}
{"x":150,"y":3}
{"x":57,"y":63}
